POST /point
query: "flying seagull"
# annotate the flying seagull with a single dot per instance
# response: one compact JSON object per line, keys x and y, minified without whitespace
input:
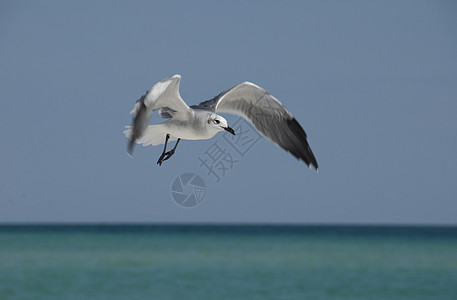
{"x":201,"y":122}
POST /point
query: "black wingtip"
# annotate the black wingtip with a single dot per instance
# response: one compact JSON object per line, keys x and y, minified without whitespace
{"x":130,"y":148}
{"x":304,"y":152}
{"x":311,"y":165}
{"x":313,"y":161}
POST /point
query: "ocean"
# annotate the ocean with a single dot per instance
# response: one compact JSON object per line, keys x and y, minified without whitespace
{"x":227,"y":262}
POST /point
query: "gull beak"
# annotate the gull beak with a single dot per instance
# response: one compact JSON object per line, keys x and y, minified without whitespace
{"x":229,"y":130}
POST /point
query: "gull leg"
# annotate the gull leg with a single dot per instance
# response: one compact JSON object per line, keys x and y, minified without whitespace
{"x":171,"y":152}
{"x":161,"y":158}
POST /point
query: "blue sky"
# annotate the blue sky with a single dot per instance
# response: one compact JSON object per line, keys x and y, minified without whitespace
{"x":373,"y":83}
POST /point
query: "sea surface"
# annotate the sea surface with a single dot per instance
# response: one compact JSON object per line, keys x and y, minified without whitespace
{"x":227,"y":262}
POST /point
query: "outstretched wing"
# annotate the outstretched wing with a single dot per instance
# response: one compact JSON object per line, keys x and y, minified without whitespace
{"x":165,"y":96}
{"x":267,"y":114}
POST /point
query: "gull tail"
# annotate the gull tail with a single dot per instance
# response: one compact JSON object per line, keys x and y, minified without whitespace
{"x":153,"y":135}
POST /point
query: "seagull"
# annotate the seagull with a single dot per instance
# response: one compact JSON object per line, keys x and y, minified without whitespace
{"x":201,"y":122}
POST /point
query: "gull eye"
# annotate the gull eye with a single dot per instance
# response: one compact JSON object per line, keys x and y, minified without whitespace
{"x":216,"y":121}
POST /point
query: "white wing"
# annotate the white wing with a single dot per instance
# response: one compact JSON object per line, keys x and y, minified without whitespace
{"x":267,"y":114}
{"x":165,"y":96}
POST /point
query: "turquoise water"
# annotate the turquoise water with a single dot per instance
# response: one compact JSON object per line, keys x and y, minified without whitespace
{"x":227,"y":262}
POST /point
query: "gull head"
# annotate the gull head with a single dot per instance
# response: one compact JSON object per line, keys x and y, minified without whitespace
{"x":218,"y":123}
